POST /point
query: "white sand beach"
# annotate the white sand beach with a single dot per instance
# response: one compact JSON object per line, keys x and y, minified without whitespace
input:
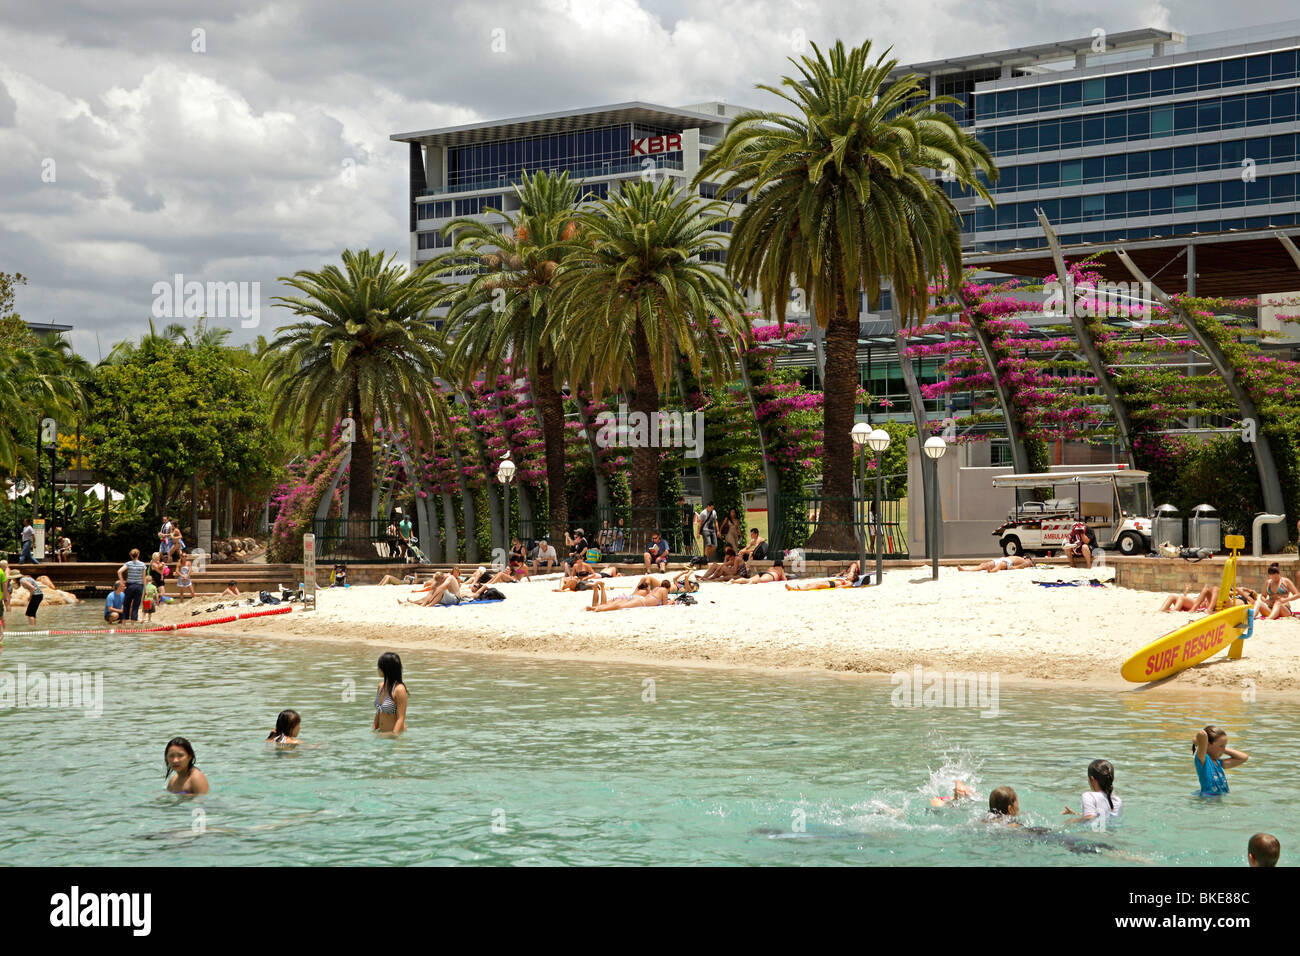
{"x":1004,"y":622}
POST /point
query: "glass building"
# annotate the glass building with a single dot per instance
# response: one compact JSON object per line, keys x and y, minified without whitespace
{"x":1131,"y":136}
{"x":467,"y":170}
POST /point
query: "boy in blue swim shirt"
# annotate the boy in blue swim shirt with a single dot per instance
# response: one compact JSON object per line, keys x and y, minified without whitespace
{"x":1212,"y":758}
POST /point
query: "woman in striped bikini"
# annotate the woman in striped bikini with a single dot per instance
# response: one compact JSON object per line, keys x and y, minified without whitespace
{"x":390,"y":699}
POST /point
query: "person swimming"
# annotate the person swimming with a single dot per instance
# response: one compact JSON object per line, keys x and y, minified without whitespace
{"x":1004,"y":807}
{"x":286,"y":730}
{"x":390,"y":699}
{"x":188,"y":780}
{"x":1264,"y":849}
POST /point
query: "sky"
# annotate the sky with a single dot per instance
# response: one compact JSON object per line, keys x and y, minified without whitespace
{"x":238,"y":142}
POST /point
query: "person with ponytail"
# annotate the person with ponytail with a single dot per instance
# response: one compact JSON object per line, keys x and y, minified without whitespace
{"x":1209,"y":748}
{"x":1100,"y":803}
{"x":188,"y":779}
{"x":286,"y":729}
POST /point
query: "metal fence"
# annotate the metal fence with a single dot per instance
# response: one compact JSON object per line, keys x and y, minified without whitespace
{"x":827,"y":527}
{"x":357,"y":541}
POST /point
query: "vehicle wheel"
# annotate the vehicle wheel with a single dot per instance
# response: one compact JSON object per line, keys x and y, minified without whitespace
{"x":1129,"y":544}
{"x":1011,"y":546}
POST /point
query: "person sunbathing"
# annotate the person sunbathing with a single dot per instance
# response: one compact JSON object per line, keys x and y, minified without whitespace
{"x":1277,"y":596}
{"x":1185,"y":602}
{"x":850,"y":577}
{"x":649,"y":593}
{"x":726,"y":569}
{"x":684,"y":583}
{"x":445,"y":590}
{"x":577,"y":581}
{"x":775,"y":573}
{"x":1009,"y":563}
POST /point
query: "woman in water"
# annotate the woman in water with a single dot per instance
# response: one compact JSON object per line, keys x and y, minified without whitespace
{"x":1209,"y":748}
{"x":182,"y":776}
{"x":1276,"y":598}
{"x":390,"y":700}
{"x":286,"y":730}
{"x":1100,"y":802}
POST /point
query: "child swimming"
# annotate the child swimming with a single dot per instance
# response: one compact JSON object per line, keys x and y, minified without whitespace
{"x":188,"y":779}
{"x":1209,"y":748}
{"x":286,"y":730}
{"x":1100,"y":803}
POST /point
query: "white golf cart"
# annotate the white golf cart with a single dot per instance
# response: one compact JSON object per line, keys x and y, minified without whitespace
{"x":1115,"y":504}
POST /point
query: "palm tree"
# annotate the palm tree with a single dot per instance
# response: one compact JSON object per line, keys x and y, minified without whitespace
{"x":635,"y":293}
{"x":368,"y":348}
{"x":503,"y":311}
{"x":841,"y":203}
{"x":36,"y":379}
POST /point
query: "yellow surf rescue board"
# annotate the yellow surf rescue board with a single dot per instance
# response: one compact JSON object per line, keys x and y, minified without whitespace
{"x":1227,"y":626}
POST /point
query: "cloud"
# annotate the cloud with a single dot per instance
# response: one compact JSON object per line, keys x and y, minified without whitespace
{"x":268,"y":152}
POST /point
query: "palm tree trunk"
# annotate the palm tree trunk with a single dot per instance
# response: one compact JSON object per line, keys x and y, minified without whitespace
{"x":550,"y":410}
{"x":838,"y":411}
{"x":645,"y":456}
{"x":361,"y":478}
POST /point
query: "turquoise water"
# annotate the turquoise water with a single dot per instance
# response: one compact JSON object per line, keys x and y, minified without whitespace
{"x":519,"y":761}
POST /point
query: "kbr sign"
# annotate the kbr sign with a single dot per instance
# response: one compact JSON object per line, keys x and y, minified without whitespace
{"x":649,"y":145}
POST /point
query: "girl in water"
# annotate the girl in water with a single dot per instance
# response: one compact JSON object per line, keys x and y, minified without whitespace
{"x":1209,"y":748}
{"x":390,"y":700}
{"x":182,"y":776}
{"x":286,"y":729}
{"x":1099,"y":803}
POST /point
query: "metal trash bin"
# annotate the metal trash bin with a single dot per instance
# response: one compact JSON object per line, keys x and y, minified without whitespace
{"x":1204,"y":529}
{"x":1167,"y":527}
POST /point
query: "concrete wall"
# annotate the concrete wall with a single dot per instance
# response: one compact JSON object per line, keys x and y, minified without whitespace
{"x":1171,"y":575}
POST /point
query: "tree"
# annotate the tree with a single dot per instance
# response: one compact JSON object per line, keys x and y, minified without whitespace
{"x":635,"y":292}
{"x":369,"y":349}
{"x":503,"y":311}
{"x":211,"y":419}
{"x":840,"y":202}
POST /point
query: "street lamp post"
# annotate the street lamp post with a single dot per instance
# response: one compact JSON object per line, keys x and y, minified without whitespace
{"x":861,"y":432}
{"x":878,"y":441}
{"x":506,"y":474}
{"x":935,"y":447}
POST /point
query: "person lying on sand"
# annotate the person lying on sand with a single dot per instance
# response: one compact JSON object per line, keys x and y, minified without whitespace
{"x":684,"y":583}
{"x":577,"y":581}
{"x":1185,"y":602}
{"x":649,"y":592}
{"x":850,"y":577}
{"x":775,"y":573}
{"x":444,"y":590}
{"x":1010,"y":563}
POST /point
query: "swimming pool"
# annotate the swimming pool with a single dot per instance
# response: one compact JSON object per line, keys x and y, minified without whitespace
{"x":523,"y":761}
